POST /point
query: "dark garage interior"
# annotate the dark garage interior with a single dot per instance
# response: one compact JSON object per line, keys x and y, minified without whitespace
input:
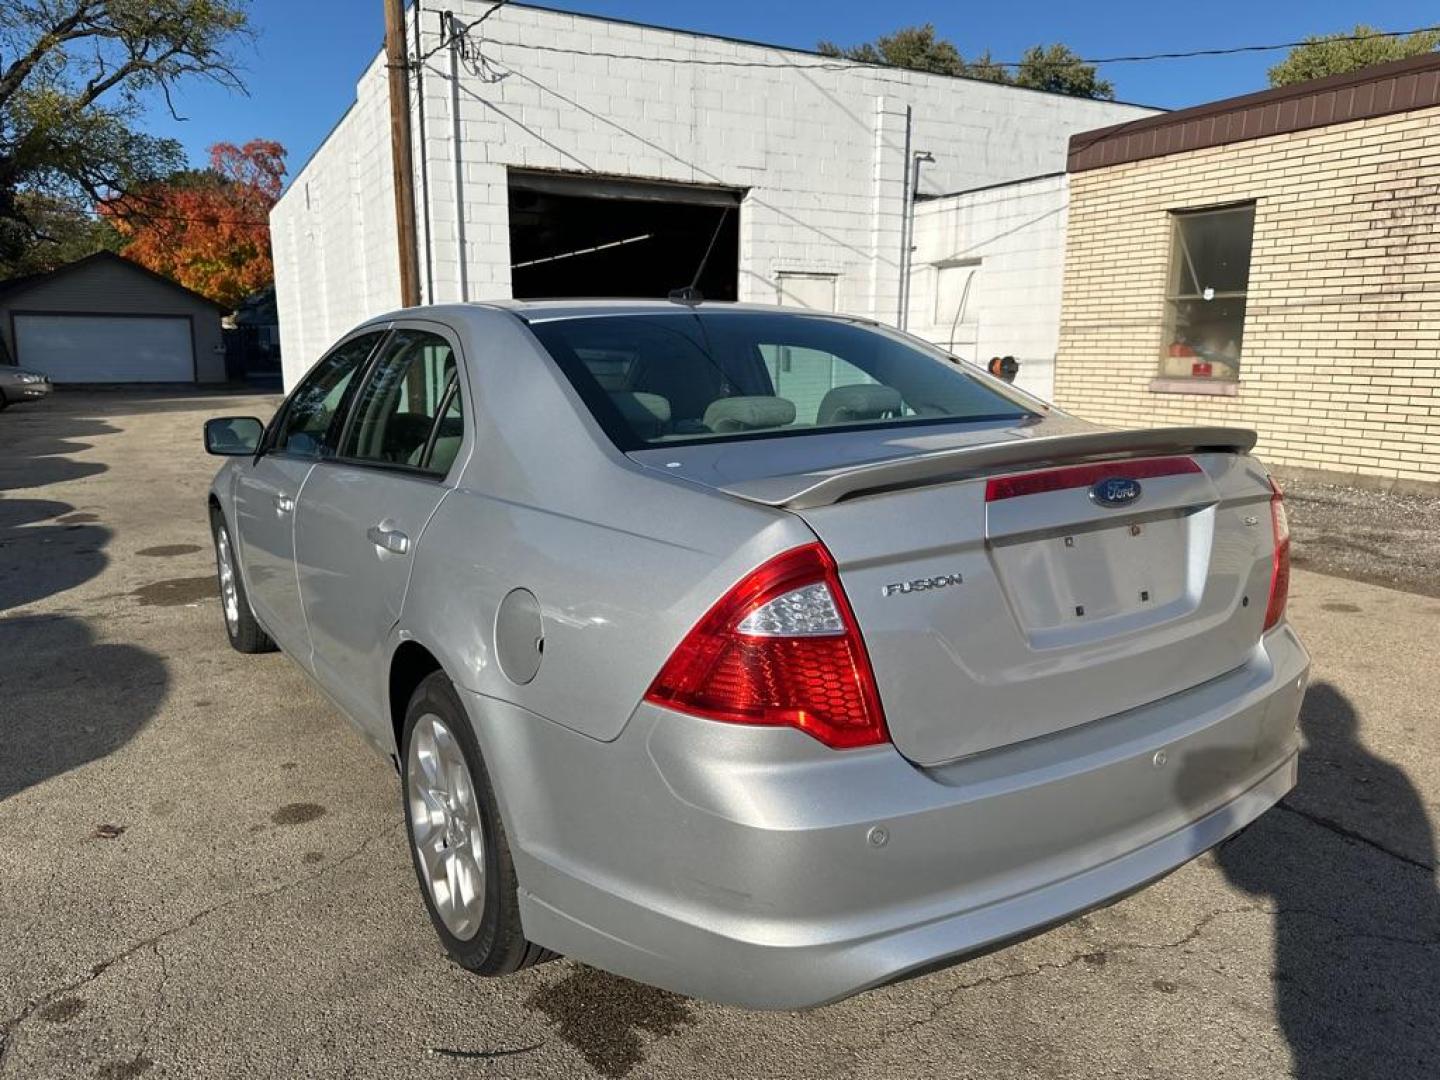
{"x":573,"y":236}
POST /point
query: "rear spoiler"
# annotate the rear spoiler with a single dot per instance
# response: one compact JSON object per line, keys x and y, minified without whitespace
{"x":809,"y":490}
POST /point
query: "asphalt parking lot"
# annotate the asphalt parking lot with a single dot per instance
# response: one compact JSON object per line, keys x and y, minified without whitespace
{"x":203,"y":871}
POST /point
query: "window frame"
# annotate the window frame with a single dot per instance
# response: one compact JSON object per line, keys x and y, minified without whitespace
{"x":1173,"y":296}
{"x":342,"y":409}
{"x":452,"y":388}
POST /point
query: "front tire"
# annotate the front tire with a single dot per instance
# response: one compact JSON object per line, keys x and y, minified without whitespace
{"x":244,"y":632}
{"x":457,"y":841}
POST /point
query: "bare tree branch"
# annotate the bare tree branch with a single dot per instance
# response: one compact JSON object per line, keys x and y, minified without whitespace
{"x":63,"y":31}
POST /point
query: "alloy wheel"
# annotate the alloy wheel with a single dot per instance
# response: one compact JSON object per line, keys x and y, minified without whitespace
{"x":229,"y":595}
{"x":446,"y":826}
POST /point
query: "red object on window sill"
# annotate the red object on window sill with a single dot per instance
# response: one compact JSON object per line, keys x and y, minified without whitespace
{"x":1179,"y":349}
{"x":1201,"y":369}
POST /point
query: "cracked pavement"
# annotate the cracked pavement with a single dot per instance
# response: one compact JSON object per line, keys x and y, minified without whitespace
{"x":203,"y":869}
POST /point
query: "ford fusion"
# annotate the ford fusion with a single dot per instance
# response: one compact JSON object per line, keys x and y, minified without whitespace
{"x":761,"y":655}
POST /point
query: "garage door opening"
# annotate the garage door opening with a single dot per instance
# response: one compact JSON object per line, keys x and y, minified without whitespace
{"x":574,"y":236}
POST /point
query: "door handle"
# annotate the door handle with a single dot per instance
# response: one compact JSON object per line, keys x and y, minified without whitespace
{"x":392,"y":540}
{"x":284,"y":504}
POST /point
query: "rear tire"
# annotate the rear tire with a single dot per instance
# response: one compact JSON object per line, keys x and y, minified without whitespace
{"x":461,"y":857}
{"x":3,"y":402}
{"x":241,"y":628}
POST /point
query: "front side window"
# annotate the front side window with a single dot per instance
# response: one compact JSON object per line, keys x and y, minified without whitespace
{"x":305,"y":423}
{"x":663,"y":377}
{"x":397,"y":410}
{"x":1205,"y":304}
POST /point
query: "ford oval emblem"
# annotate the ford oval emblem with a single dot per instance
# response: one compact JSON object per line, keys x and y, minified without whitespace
{"x":1115,"y":491}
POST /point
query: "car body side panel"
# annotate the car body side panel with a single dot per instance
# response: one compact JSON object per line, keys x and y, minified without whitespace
{"x":622,"y":561}
{"x":351,"y":588}
{"x":264,"y":532}
{"x":613,"y":603}
{"x":354,"y":590}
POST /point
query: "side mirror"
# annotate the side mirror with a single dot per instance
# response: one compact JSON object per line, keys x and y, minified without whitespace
{"x":233,"y":436}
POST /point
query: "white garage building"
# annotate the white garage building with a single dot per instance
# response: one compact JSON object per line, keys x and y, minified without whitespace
{"x":567,"y":155}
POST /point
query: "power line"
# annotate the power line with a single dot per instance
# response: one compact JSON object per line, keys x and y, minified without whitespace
{"x":1235,"y":49}
{"x":824,"y":63}
{"x":142,"y":216}
{"x":454,"y":32}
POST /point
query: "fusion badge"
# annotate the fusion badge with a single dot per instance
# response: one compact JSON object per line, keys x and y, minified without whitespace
{"x":923,"y":584}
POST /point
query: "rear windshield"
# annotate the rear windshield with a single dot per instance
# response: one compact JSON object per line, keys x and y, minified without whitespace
{"x":693,"y":376}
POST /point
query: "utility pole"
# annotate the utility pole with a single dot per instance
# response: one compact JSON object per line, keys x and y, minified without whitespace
{"x":397,"y":62}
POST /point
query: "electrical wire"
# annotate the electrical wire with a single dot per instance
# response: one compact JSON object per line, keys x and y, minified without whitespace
{"x":824,"y":63}
{"x":97,"y":216}
{"x":456,"y":32}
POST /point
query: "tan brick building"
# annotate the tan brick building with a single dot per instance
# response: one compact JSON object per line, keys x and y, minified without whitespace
{"x":1273,"y":261}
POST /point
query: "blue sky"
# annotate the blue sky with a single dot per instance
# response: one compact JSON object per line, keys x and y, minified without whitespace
{"x":307,"y":54}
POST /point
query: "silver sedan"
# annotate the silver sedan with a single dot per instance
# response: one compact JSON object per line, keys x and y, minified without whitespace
{"x":761,"y":655}
{"x":17,"y":384}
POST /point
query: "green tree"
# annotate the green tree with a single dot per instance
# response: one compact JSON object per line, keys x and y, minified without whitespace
{"x":1335,"y":54}
{"x":69,"y":233}
{"x":914,"y":47}
{"x":1059,"y":70}
{"x":986,"y":68}
{"x":73,"y":78}
{"x":1052,"y":67}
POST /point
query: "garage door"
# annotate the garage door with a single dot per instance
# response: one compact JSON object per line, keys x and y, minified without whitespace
{"x":101,"y":348}
{"x":580,"y":235}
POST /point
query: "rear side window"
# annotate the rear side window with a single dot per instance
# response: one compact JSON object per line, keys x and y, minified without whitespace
{"x":305,"y":425}
{"x":409,"y":397}
{"x":696,"y":376}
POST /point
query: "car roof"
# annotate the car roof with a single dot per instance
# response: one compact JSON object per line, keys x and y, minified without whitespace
{"x":535,"y":311}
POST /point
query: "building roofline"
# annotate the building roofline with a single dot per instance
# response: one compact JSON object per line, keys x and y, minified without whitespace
{"x":20,"y":284}
{"x":294,"y":176}
{"x":1381,"y":90}
{"x":770,"y":45}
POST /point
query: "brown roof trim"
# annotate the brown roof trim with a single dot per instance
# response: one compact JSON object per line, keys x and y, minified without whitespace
{"x":20,"y":284}
{"x":1382,"y":90}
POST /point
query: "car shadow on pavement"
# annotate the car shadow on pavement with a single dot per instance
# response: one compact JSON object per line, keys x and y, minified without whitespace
{"x":46,"y":547}
{"x":1347,"y":866}
{"x":33,"y":449}
{"x":67,"y":699}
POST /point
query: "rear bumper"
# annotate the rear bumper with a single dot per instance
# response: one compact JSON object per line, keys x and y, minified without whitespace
{"x":758,"y":868}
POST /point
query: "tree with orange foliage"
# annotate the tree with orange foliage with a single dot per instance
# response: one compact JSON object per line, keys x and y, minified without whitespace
{"x":209,"y":230}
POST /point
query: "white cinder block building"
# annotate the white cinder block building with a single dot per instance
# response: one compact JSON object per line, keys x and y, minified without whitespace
{"x":566,"y":155}
{"x":987,"y":274}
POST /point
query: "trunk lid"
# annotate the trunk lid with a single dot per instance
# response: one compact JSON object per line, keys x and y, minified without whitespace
{"x":997,"y":613}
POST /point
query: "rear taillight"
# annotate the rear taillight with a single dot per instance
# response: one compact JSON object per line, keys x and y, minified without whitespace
{"x":1280,"y":560}
{"x":780,"y":648}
